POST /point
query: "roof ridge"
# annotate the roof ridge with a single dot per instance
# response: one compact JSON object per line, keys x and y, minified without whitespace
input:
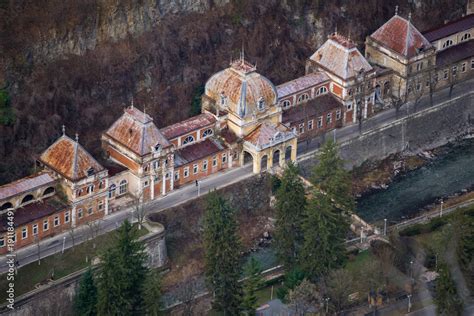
{"x":74,"y":163}
{"x":408,"y":36}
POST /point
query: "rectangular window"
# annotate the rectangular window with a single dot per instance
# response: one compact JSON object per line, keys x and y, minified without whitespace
{"x":145,"y":184}
{"x":349,"y":107}
{"x":89,"y":211}
{"x":35,"y":229}
{"x":176,"y":175}
{"x":2,"y":242}
{"x":419,"y":66}
{"x":224,"y":158}
{"x":418,"y":86}
{"x":195,"y":168}
{"x":445,"y":74}
{"x":214,"y":161}
{"x":301,"y":128}
{"x":328,"y":118}
{"x":320,"y":122}
{"x":100,"y":205}
{"x":427,"y":84}
{"x":338,"y":115}
{"x":79,"y":213}
{"x":293,"y":129}
{"x":455,"y":69}
{"x":156,"y":164}
{"x":472,"y":64}
{"x":66,"y":217}
{"x":56,"y":221}
{"x":204,"y":165}
{"x":167,"y":175}
{"x":186,"y":172}
{"x":24,"y":232}
{"x":310,"y":124}
{"x":463,"y":67}
{"x":45,"y":225}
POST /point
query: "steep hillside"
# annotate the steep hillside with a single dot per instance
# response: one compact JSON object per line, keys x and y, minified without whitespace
{"x":78,"y":62}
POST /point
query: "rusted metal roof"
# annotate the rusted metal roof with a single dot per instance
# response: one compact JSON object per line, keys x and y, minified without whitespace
{"x":312,"y":108}
{"x":228,"y":136}
{"x":338,"y":56}
{"x":68,"y":158}
{"x":26,"y":184}
{"x":136,"y":131}
{"x":242,"y":88}
{"x":301,"y":83}
{"x":266,"y":133}
{"x":402,"y":37}
{"x":455,"y":54}
{"x":33,"y":211}
{"x":450,"y":28}
{"x":197,"y":151}
{"x":187,"y":126}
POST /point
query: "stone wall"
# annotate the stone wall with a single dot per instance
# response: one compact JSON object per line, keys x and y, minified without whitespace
{"x":424,"y":130}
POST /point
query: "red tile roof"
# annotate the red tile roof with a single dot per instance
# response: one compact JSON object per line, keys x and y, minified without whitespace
{"x":401,"y":36}
{"x":68,"y":158}
{"x":25,"y":184}
{"x":312,"y":108}
{"x":187,"y":126}
{"x":197,"y":151}
{"x":453,"y":27}
{"x":136,"y":131}
{"x":340,"y":58}
{"x":301,"y":83}
{"x":33,"y":211}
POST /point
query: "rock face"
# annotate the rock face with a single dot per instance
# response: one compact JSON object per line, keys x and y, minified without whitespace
{"x":78,"y":62}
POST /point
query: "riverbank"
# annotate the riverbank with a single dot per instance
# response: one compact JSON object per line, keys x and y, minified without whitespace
{"x":417,"y":184}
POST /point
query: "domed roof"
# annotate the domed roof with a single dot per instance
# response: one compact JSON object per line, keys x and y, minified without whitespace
{"x":240,"y":89}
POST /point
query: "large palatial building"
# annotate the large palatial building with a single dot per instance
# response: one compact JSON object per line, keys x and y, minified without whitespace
{"x":245,"y":119}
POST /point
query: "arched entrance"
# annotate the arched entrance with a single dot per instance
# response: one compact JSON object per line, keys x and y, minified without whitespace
{"x":6,"y":206}
{"x":386,"y":89}
{"x":288,"y":153}
{"x":276,"y":158}
{"x":247,"y":158}
{"x":263,"y":163}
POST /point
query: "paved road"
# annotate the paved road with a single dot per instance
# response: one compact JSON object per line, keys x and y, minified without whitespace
{"x":55,"y":244}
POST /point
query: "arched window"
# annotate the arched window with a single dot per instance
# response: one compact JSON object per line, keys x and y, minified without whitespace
{"x":27,"y":199}
{"x":6,"y":206}
{"x":261,"y":104}
{"x":123,"y":187}
{"x":48,"y":191}
{"x":322,"y":90}
{"x":303,"y":97}
{"x":465,"y":37}
{"x":447,"y":43}
{"x":112,"y":191}
{"x":188,"y":140}
{"x":207,"y":132}
{"x":286,"y":104}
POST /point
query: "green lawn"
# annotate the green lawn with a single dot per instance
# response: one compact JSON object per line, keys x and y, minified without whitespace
{"x":354,"y":265}
{"x":58,"y":265}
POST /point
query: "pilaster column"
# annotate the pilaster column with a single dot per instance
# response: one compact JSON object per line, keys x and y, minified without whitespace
{"x":229,"y":154}
{"x":106,"y":197}
{"x":172,"y":179}
{"x":282,"y":157}
{"x":365,"y":108}
{"x":163,"y":186}
{"x":73,"y":216}
{"x":152,"y":188}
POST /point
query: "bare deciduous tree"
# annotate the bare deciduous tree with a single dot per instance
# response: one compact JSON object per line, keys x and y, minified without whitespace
{"x":186,"y":294}
{"x":304,"y":298}
{"x":94,"y":229}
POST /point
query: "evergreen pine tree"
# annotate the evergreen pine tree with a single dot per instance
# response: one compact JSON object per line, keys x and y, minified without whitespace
{"x":222,"y":255}
{"x":324,"y":230}
{"x":290,"y":208}
{"x":85,"y":300}
{"x":446,"y":297}
{"x":253,"y":281}
{"x":152,"y":294}
{"x":122,"y":274}
{"x":331,"y":177}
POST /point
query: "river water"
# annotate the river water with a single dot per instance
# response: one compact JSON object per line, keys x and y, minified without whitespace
{"x":447,"y":174}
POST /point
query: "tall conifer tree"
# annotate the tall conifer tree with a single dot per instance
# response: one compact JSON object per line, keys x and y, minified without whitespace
{"x":290,"y":209}
{"x":222,"y":255}
{"x":253,"y":281}
{"x":85,"y":300}
{"x":122,"y":274}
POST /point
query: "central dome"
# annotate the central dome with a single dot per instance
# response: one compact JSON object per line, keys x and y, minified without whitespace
{"x":240,"y":89}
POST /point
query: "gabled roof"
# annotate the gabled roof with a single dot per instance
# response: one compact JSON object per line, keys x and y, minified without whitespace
{"x":455,"y":54}
{"x":197,"y":151}
{"x":68,"y":158}
{"x":187,"y":126}
{"x":401,"y":36}
{"x":315,"y":107}
{"x":25,"y":184}
{"x":341,"y":57}
{"x":301,"y":83}
{"x":266,"y":133}
{"x":136,"y":131}
{"x":453,"y":27}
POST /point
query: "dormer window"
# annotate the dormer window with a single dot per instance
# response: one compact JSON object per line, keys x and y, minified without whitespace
{"x":261,"y":104}
{"x":223,"y":99}
{"x":90,"y":171}
{"x":157,"y":147}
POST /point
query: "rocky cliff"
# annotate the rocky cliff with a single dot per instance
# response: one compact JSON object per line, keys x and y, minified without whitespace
{"x":79,"y":62}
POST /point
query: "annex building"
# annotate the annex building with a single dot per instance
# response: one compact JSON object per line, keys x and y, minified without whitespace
{"x":245,"y":119}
